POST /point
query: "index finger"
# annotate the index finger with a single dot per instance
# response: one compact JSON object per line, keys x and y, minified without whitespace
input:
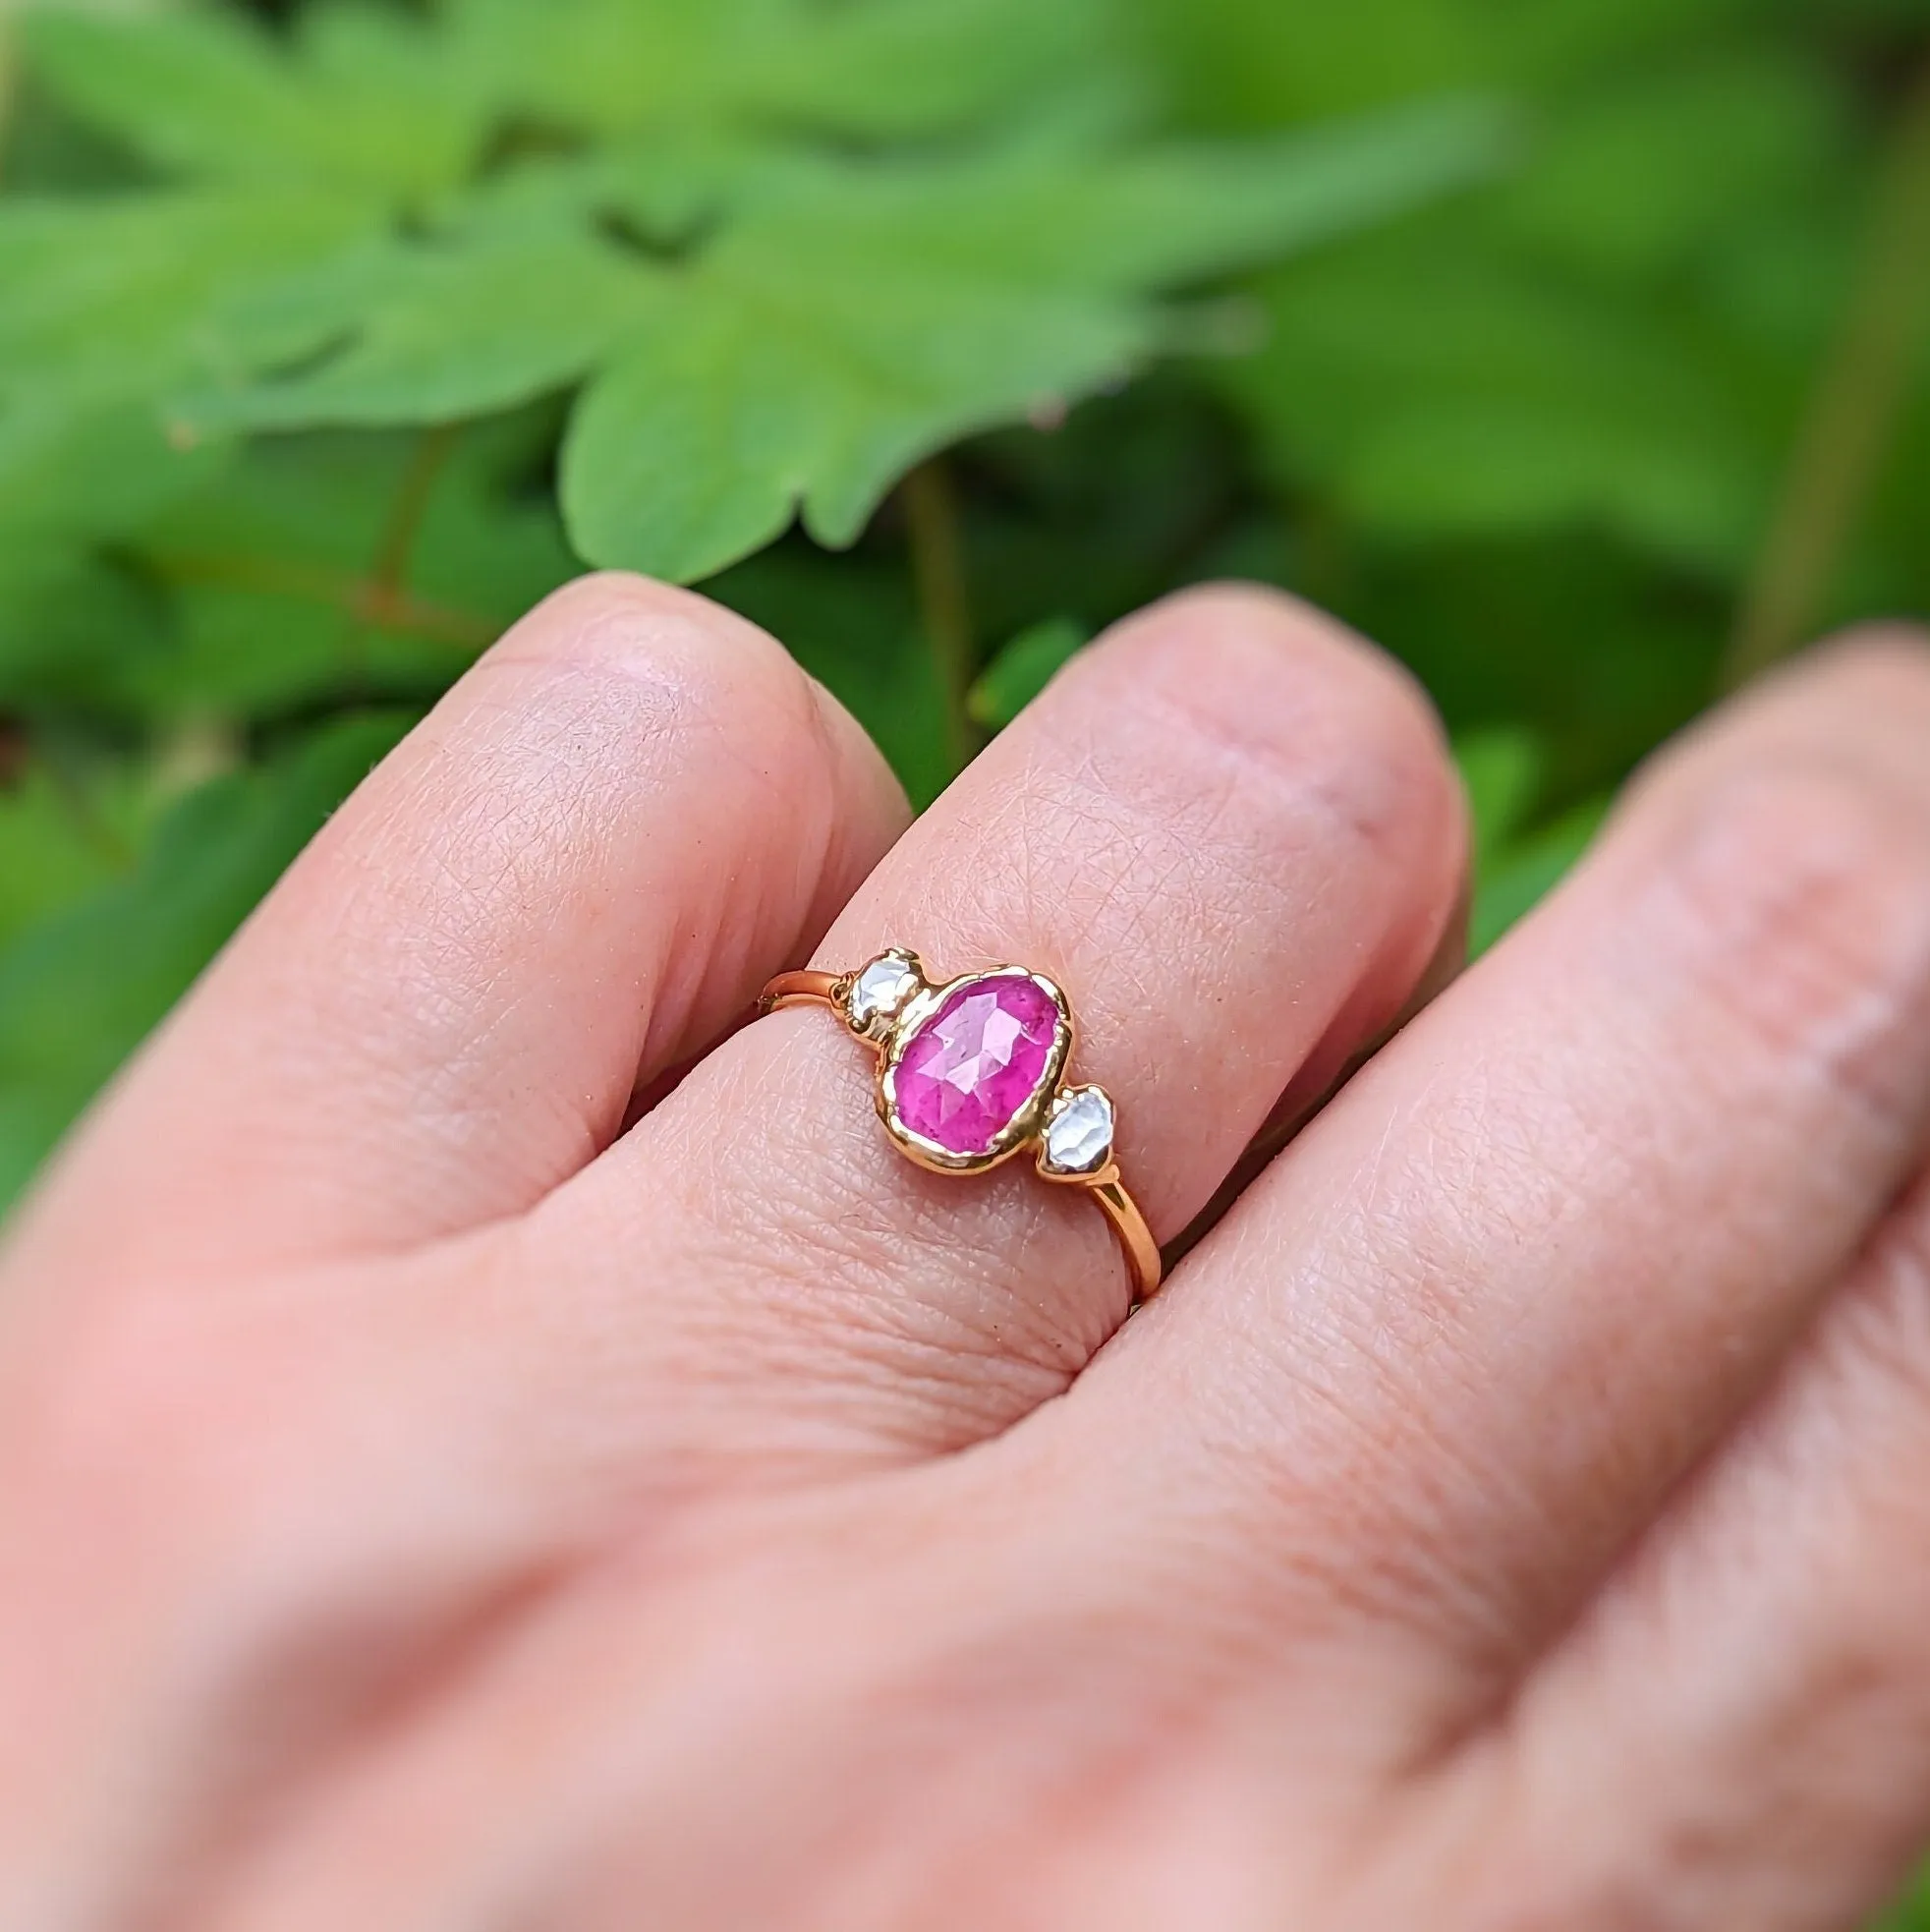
{"x":579,"y":869}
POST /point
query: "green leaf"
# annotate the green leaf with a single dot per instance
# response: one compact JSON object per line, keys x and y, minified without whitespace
{"x":74,"y":627}
{"x":389,"y":334}
{"x":1641,"y":175}
{"x":208,"y":94}
{"x":1175,"y":211}
{"x":747,"y":394}
{"x":78,"y":990}
{"x":108,"y":294}
{"x":612,"y":67}
{"x":86,"y":467}
{"x":1259,"y":65}
{"x":852,"y":320}
{"x":1446,"y":387}
{"x":891,"y":69}
{"x":1522,"y":874}
{"x":191,"y":92}
{"x":1503,"y":771}
{"x":1024,"y":668}
{"x":1125,"y":220}
{"x":1238,"y":62}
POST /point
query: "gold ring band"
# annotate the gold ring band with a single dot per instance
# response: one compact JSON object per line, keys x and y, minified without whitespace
{"x":971,"y":1072}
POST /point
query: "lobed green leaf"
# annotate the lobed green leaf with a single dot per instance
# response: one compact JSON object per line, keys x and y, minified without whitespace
{"x":851,"y":320}
{"x":389,"y":334}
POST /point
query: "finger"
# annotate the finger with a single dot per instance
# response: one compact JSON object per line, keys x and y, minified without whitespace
{"x":1463,"y":1340}
{"x":1745,"y":1716}
{"x":579,"y":869}
{"x":1230,"y":833}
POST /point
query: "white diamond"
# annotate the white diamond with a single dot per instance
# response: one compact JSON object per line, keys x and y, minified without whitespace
{"x":1079,"y":1135}
{"x":881,"y":989}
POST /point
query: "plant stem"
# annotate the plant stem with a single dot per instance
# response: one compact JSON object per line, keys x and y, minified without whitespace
{"x":411,"y":499}
{"x":76,"y":805}
{"x":1852,"y":415}
{"x":363,"y":599}
{"x":389,"y":575}
{"x":938,"y":564}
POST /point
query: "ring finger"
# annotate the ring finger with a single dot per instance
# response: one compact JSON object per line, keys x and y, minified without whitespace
{"x":1231,"y":835}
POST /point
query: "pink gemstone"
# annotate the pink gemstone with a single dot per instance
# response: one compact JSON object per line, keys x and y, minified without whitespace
{"x":976,"y":1062}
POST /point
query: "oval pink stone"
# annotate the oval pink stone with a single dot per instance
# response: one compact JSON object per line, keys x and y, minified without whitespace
{"x":976,"y":1062}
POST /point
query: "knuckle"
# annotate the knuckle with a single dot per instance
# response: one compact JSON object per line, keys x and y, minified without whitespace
{"x":1298,"y":718}
{"x":1805,"y":897}
{"x":626,"y":646}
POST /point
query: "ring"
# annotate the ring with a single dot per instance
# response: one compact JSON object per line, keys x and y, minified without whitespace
{"x":970,"y":1071}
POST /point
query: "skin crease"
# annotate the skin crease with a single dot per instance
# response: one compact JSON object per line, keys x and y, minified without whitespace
{"x":428,"y":1503}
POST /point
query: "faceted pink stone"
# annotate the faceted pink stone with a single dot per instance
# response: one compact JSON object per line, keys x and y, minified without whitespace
{"x":976,"y":1062}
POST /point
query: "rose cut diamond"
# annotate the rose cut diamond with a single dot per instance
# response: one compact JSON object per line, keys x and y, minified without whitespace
{"x":1079,"y":1135}
{"x":881,"y":989}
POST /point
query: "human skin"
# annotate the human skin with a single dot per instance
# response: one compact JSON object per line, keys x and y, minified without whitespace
{"x":458,"y":1476}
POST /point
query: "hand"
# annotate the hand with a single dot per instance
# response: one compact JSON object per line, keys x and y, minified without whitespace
{"x":443,"y":1491}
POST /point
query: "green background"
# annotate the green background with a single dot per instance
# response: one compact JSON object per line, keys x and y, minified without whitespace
{"x":1570,"y":348}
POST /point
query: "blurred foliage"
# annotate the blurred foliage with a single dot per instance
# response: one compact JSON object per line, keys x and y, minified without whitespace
{"x":1910,"y":1913}
{"x":1568,"y":347}
{"x":333,"y":336}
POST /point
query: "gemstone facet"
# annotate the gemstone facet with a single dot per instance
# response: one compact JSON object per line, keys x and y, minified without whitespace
{"x":881,"y":989}
{"x":968,"y":1072}
{"x":1078,"y":1137}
